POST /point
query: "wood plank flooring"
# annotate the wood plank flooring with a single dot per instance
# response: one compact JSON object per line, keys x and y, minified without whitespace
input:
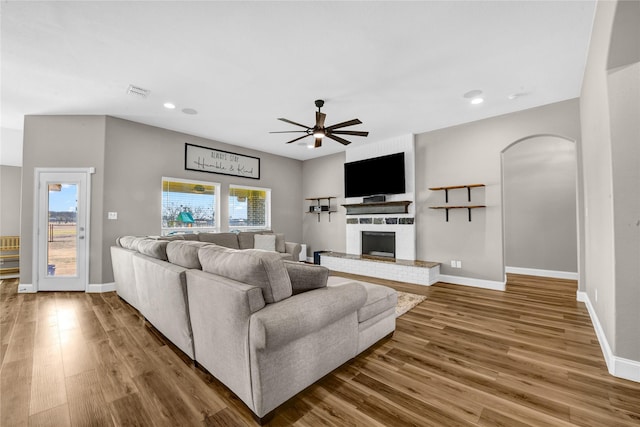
{"x":464,"y":357}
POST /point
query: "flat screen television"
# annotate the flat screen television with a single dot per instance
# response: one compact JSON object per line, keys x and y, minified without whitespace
{"x":379,"y":175}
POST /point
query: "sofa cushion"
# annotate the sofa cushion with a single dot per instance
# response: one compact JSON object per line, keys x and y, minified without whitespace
{"x":228,"y":240}
{"x":172,"y":237}
{"x":280,"y":246}
{"x":189,"y":236}
{"x":128,"y":241}
{"x":185,"y":253}
{"x":379,"y":298}
{"x":266,"y":242}
{"x":263,"y":269}
{"x":246,"y":239}
{"x":153,"y":248}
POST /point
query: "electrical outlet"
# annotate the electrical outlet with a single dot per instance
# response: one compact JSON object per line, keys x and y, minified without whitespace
{"x":112,"y":215}
{"x":453,"y":263}
{"x":458,"y":264}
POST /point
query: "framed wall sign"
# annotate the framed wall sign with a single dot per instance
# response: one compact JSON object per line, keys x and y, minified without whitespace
{"x":203,"y":159}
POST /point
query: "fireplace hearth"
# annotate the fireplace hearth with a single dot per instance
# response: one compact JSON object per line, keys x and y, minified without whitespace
{"x":379,"y":244}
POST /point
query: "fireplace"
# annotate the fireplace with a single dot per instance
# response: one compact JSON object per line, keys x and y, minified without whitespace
{"x":379,"y":244}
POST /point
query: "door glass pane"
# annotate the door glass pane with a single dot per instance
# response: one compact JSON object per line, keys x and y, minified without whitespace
{"x":62,"y":246}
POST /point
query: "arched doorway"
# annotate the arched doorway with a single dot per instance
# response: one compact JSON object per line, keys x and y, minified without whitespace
{"x":540,"y":207}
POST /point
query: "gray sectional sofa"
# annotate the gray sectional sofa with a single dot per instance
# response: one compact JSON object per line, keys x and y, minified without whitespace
{"x":263,"y":325}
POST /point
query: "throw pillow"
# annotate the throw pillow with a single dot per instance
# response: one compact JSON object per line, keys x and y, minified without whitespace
{"x":245,"y":239}
{"x":305,"y":277}
{"x":266,"y":242}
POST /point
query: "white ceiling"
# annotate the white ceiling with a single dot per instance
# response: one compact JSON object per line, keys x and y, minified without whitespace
{"x":400,"y":67}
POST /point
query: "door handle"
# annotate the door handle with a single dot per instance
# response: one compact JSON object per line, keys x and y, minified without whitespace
{"x":80,"y":237}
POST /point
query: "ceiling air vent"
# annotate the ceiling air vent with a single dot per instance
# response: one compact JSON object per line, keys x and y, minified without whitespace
{"x":137,"y":91}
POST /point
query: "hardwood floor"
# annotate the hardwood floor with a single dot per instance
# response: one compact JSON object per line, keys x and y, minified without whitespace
{"x":465,"y":356}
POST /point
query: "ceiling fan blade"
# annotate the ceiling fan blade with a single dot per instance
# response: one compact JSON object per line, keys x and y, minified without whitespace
{"x":293,"y":123}
{"x":320,"y":119}
{"x":318,"y":143}
{"x":290,"y":131}
{"x":344,"y":124}
{"x":294,"y":140}
{"x":337,"y":138}
{"x":350,"y":132}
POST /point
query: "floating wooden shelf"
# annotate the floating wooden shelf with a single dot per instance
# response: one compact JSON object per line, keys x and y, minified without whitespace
{"x":455,"y":187}
{"x":446,"y":208}
{"x":318,"y":199}
{"x":378,"y":207}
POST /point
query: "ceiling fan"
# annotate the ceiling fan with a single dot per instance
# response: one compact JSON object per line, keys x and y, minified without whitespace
{"x":319,"y":130}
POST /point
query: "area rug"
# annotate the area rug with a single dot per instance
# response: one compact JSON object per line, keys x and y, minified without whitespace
{"x":407,"y":301}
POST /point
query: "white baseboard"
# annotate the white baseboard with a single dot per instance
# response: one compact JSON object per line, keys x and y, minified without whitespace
{"x":470,"y":281}
{"x":543,"y":273}
{"x":26,"y":288}
{"x":100,"y":288}
{"x":617,"y":366}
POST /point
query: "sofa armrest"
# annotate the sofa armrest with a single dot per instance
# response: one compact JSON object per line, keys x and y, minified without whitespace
{"x":294,"y":249}
{"x":220,"y":311}
{"x":305,"y":277}
{"x":302,"y":314}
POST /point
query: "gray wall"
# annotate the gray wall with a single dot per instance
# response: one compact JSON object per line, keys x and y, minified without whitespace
{"x":539,"y":197}
{"x":324,"y":176}
{"x":130,"y":160}
{"x":467,"y":154}
{"x":10,"y":177}
{"x":62,"y":141}
{"x":611,"y":162}
{"x":138,"y":156}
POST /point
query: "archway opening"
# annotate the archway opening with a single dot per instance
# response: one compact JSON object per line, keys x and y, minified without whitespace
{"x":539,"y":207}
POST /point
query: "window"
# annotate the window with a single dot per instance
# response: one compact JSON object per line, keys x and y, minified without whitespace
{"x":249,"y":207}
{"x":189,"y":206}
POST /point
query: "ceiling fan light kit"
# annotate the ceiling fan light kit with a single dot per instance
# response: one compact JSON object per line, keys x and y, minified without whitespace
{"x":319,"y":131}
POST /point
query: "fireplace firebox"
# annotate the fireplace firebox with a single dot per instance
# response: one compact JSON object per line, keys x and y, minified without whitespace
{"x":379,"y":244}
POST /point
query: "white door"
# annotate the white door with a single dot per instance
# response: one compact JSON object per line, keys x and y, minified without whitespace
{"x":61,"y":231}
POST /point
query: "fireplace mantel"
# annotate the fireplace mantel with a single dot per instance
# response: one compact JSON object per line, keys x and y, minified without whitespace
{"x":398,"y":207}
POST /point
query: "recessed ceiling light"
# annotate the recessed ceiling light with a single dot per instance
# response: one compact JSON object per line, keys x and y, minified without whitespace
{"x":190,"y":111}
{"x":476,"y":101}
{"x":169,"y":105}
{"x":472,"y":94}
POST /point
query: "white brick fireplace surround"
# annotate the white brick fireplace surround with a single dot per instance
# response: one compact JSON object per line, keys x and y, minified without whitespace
{"x":416,"y":272}
{"x":404,"y":268}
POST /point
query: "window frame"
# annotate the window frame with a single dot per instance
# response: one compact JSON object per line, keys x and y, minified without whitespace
{"x":267,"y":225}
{"x":165,"y":231}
